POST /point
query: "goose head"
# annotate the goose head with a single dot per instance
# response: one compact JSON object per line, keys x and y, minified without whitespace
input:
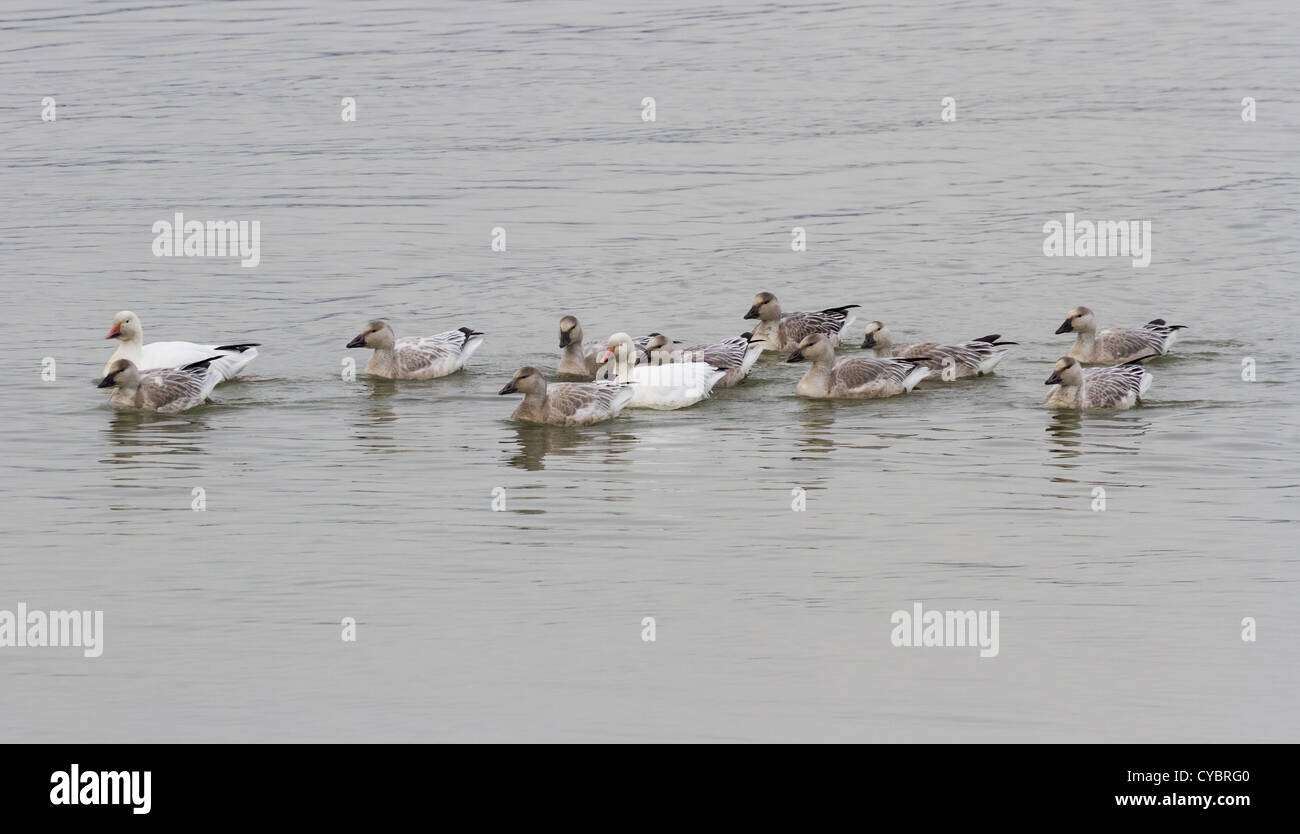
{"x":619,"y":345}
{"x":527,"y":380}
{"x":658,"y":342}
{"x":1079,"y":321}
{"x":1066,"y":372}
{"x":570,"y":331}
{"x":377,"y":335}
{"x":815,"y":347}
{"x":127,"y":327}
{"x":121,"y":374}
{"x":877,"y":336}
{"x":764,"y":308}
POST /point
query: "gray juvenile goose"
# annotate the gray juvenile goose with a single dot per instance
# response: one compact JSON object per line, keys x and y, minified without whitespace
{"x":416,"y":357}
{"x":949,"y":362}
{"x":577,"y":358}
{"x":1114,"y":346}
{"x":167,"y":390}
{"x":565,"y":403}
{"x":735,"y":356}
{"x":853,"y":377}
{"x":784,"y":331}
{"x":1114,"y":387}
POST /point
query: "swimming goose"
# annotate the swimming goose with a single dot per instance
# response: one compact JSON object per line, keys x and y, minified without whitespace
{"x":1118,"y":386}
{"x":735,"y":356}
{"x":578,"y":357}
{"x":1116,"y":345}
{"x":227,"y":360}
{"x":565,"y":403}
{"x":640,"y":343}
{"x":784,"y":331}
{"x":167,"y":390}
{"x":416,"y":357}
{"x":854,"y":376}
{"x":973,"y":358}
{"x":669,"y":386}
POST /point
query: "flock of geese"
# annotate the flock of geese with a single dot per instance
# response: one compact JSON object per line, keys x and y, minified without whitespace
{"x":653,"y":372}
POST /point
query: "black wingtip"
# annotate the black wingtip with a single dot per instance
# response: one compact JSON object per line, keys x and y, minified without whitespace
{"x":1141,"y":359}
{"x":992,"y":340}
{"x":202,"y":363}
{"x":843,"y":309}
{"x":469,"y":331}
{"x":238,"y":348}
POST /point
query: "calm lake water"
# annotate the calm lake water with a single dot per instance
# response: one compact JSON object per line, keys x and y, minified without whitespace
{"x":370,"y":499}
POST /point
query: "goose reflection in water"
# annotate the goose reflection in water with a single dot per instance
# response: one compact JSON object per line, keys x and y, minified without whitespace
{"x":1073,"y":433}
{"x":139,"y":438}
{"x":607,"y":443}
{"x":374,"y":428}
{"x":816,"y":419}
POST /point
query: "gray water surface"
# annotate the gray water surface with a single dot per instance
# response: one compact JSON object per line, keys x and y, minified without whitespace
{"x":372,"y":499}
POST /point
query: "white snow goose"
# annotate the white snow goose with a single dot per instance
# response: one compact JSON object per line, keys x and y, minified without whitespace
{"x":228,"y":360}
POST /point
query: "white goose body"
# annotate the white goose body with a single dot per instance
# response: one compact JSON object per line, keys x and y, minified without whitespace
{"x":665,"y":386}
{"x":230,"y":359}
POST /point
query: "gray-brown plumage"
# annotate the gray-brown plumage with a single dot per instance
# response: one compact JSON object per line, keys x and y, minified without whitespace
{"x":1115,"y":387}
{"x":1117,"y":345}
{"x":565,"y":403}
{"x":734,"y":356}
{"x":949,"y":362}
{"x":784,"y":331}
{"x":416,"y":357}
{"x":167,"y":390}
{"x":853,"y":377}
{"x":577,"y":358}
